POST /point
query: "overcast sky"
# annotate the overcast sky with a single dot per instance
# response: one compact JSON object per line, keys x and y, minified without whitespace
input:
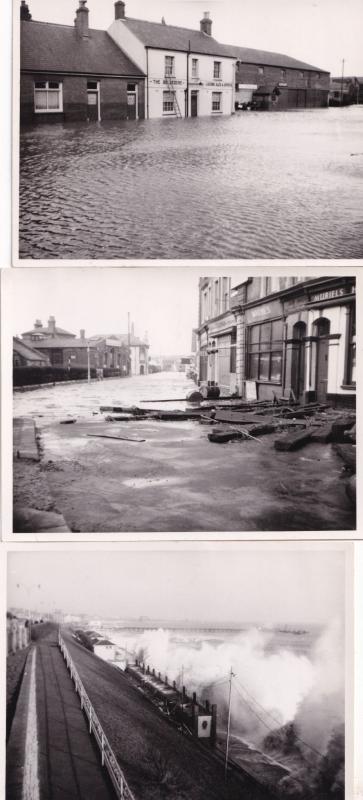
{"x":161,"y":301}
{"x":320,"y":32}
{"x":245,"y":584}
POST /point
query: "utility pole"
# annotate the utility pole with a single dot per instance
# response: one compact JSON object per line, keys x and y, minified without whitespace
{"x":88,"y":364}
{"x":231,"y":675}
{"x":129,"y":341}
{"x":342,"y":83}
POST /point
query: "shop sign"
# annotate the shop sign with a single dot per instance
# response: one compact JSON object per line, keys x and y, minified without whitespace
{"x":330,"y":294}
{"x":263,"y":312}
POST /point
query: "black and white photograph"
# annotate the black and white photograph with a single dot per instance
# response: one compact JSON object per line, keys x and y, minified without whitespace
{"x":156,"y":401}
{"x":182,"y":130}
{"x":164,"y":674}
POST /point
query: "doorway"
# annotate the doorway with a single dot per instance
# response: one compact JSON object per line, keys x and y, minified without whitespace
{"x":93,"y":101}
{"x":298,"y":360}
{"x":194,"y":104}
{"x":322,"y":327}
{"x":131,"y":101}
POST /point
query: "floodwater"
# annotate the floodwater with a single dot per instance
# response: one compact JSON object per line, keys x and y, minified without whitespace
{"x":251,"y":186}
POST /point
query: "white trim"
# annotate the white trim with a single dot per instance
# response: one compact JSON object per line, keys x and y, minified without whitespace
{"x":47,"y":90}
{"x":93,"y":91}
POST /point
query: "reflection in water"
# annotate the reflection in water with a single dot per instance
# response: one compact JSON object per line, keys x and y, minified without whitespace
{"x":284,"y":185}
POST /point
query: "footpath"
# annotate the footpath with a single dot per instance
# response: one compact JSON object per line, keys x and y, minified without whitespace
{"x":50,"y":754}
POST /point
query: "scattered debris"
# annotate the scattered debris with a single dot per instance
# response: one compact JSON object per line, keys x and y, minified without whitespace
{"x":292,"y":441}
{"x":347,"y":453}
{"x":119,"y":418}
{"x":120,"y":438}
{"x":67,"y":421}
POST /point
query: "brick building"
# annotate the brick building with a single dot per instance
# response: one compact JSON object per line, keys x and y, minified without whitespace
{"x":138,"y":349}
{"x":71,"y":73}
{"x":346,"y":91}
{"x":26,"y":356}
{"x":272,"y":81}
{"x":65,"y":349}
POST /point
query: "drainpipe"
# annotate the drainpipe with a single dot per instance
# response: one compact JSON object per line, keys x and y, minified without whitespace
{"x":147,"y":83}
{"x":187,"y":103}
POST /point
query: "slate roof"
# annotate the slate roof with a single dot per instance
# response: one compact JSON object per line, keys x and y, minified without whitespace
{"x":56,"y":342}
{"x":122,"y":339}
{"x":171,"y":37}
{"x":49,"y":47}
{"x":265,"y":58}
{"x":46,"y":330}
{"x":27,"y":352}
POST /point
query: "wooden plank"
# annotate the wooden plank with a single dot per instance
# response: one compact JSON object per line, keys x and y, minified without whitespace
{"x":241,"y":417}
{"x":292,"y":441}
{"x":107,"y":436}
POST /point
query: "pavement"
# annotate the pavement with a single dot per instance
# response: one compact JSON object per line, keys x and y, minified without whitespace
{"x":175,"y":480}
{"x":69,"y":764}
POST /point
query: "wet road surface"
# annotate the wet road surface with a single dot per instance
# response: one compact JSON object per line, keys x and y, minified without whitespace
{"x":176,"y":480}
{"x":255,"y":185}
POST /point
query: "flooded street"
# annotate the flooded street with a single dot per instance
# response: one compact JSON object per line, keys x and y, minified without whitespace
{"x":255,"y":185}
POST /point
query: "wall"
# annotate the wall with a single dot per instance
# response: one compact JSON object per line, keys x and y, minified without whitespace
{"x":129,"y":43}
{"x":298,"y":88}
{"x":113,"y":98}
{"x":205,"y":84}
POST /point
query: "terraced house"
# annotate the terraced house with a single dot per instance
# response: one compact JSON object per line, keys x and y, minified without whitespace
{"x":75,"y":73}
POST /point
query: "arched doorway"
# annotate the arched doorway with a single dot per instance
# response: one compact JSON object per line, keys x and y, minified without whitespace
{"x":298,"y":360}
{"x":322,"y":332}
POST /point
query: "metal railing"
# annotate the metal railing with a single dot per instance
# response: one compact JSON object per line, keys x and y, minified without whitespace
{"x":108,"y":757}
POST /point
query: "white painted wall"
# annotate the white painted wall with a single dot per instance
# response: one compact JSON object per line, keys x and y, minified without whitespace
{"x":128,"y":42}
{"x":337,"y":348}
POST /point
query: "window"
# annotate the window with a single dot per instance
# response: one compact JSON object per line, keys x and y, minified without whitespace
{"x":92,"y":86}
{"x":217,"y":70}
{"x":261,"y":70}
{"x":195,"y":67}
{"x":169,"y":66}
{"x":131,"y":87}
{"x":216,"y":101}
{"x":283,"y":74}
{"x":265,"y":345}
{"x":168,"y":102}
{"x":232,"y":359}
{"x":48,"y":96}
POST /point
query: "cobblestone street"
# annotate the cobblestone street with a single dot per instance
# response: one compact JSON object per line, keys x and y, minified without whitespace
{"x":256,"y":185}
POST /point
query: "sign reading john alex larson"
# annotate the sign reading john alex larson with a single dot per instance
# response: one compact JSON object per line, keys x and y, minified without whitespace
{"x":341,"y":291}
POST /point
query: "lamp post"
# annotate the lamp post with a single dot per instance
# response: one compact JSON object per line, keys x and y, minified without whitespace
{"x":228,"y":724}
{"x":88,"y":364}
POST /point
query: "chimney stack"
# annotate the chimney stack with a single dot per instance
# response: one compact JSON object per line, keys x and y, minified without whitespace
{"x":119,"y":9}
{"x":51,"y":325}
{"x":206,"y":24}
{"x":38,"y":324}
{"x":82,"y":333}
{"x":81,"y":21}
{"x":24,"y":11}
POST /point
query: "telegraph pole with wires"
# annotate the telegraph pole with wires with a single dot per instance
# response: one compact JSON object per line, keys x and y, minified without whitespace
{"x":342,"y":83}
{"x":231,"y":676}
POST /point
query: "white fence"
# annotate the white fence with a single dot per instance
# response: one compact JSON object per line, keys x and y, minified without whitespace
{"x":107,"y":755}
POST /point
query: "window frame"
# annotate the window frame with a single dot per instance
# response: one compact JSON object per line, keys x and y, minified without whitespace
{"x":168,"y":111}
{"x":219,"y":109}
{"x":167,"y":73}
{"x":267,"y":350}
{"x":195,"y":67}
{"x":217,"y":67}
{"x":48,"y":90}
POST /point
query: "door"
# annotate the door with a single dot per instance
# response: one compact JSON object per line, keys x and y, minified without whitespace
{"x":194,"y":104}
{"x":131,"y":101}
{"x":322,"y":359}
{"x":92,"y":109}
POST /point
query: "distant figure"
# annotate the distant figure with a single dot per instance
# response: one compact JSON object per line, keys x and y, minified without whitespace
{"x":99,"y":373}
{"x":163,"y":21}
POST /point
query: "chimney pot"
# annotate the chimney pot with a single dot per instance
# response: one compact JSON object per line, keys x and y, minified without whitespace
{"x":119,"y":9}
{"x":51,"y":324}
{"x":82,"y":333}
{"x":206,"y":24}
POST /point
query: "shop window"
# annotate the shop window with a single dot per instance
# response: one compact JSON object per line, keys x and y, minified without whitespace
{"x":168,"y":102}
{"x":216,"y":101}
{"x":265,"y":343}
{"x":217,"y":70}
{"x":48,"y":96}
{"x":195,"y":67}
{"x":169,"y":66}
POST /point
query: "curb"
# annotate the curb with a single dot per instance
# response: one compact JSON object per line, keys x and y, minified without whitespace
{"x":24,"y":439}
{"x":15,"y":754}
